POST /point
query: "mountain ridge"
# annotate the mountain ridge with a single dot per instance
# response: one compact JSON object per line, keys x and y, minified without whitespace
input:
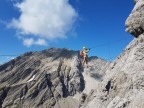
{"x":55,"y":78}
{"x":29,"y":74}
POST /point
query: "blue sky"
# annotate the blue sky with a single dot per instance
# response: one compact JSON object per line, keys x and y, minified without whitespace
{"x":30,"y":26}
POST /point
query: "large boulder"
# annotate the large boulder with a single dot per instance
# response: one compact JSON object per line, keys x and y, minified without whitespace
{"x":135,"y":21}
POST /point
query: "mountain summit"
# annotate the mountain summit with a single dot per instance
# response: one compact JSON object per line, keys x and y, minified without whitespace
{"x":44,"y":79}
{"x":55,"y":78}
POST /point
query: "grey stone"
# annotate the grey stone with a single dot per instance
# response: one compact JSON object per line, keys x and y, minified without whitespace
{"x":135,"y":21}
{"x":55,"y":78}
{"x":42,"y":79}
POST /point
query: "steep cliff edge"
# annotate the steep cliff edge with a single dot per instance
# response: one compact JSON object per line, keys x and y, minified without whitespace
{"x":55,"y":78}
{"x":123,"y":83}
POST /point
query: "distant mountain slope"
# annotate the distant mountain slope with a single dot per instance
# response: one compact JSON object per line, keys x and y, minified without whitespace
{"x":55,"y":78}
{"x":44,"y":79}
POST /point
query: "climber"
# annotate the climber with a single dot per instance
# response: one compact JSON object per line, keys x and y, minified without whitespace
{"x":84,"y":53}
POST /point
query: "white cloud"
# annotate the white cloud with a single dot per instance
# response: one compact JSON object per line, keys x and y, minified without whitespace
{"x":31,"y":41}
{"x":47,"y":19}
{"x":41,"y":42}
{"x":28,"y":42}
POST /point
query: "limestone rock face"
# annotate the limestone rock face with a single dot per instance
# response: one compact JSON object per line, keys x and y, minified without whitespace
{"x":122,"y":84}
{"x":135,"y":21}
{"x":123,"y":79}
{"x":46,"y":79}
{"x":55,"y":78}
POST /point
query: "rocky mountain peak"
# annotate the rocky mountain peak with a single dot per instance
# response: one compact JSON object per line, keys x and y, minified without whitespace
{"x":41,"y":79}
{"x":55,"y":78}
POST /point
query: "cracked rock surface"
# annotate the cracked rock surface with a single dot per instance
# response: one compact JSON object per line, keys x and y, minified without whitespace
{"x":46,"y":79}
{"x":55,"y":78}
{"x":135,"y":21}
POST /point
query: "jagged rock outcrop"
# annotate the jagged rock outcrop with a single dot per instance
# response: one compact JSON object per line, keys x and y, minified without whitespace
{"x":55,"y":78}
{"x":135,"y":21}
{"x":123,"y":83}
{"x":46,"y":79}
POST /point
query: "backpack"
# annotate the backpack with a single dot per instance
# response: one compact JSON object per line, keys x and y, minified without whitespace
{"x":81,"y":53}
